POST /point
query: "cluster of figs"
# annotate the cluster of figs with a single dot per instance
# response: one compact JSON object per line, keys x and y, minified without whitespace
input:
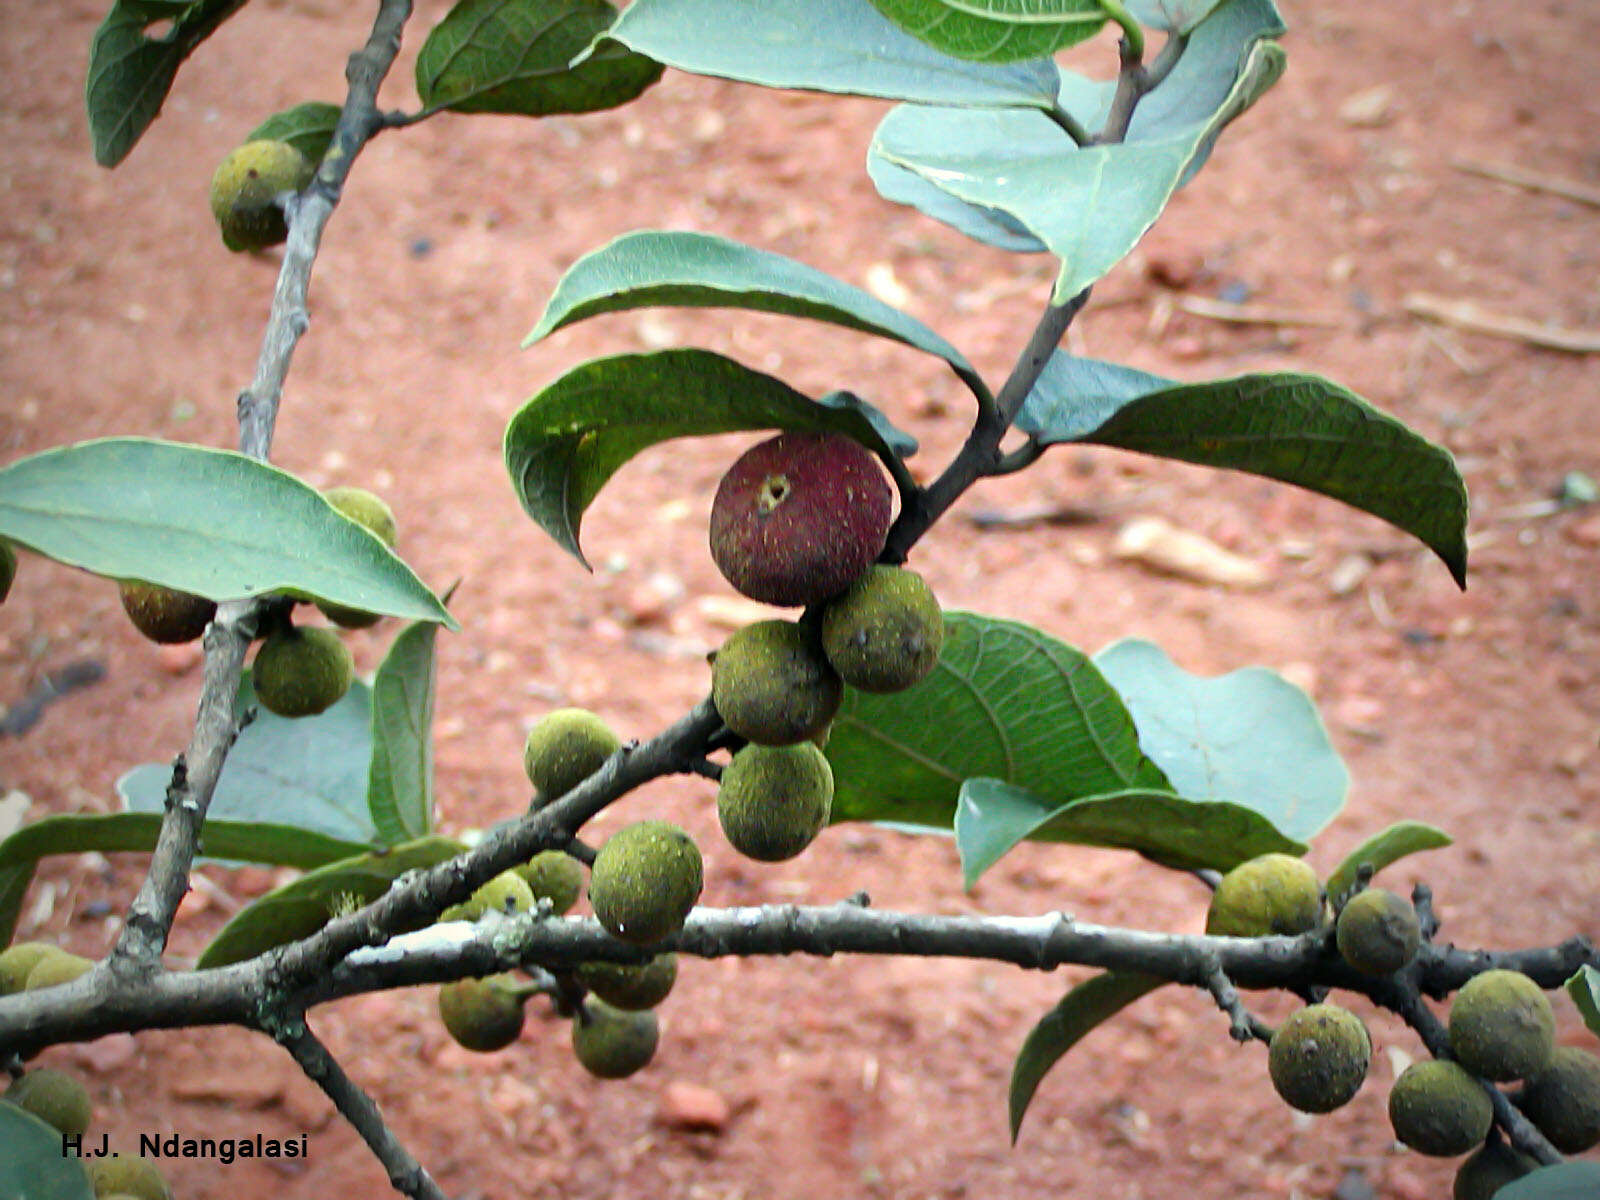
{"x":798,"y":521}
{"x":1501,"y":1030}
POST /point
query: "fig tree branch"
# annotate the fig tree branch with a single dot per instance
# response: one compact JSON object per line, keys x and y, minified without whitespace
{"x":258,"y":992}
{"x":195,"y":775}
{"x":406,"y":1174}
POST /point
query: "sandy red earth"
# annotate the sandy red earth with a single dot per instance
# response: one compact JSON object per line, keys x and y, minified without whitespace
{"x":1336,"y":199}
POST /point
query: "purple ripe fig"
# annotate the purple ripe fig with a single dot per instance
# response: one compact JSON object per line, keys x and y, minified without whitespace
{"x":798,"y":518}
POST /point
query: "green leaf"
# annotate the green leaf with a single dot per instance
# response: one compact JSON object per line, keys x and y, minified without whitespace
{"x":73,"y":833}
{"x":307,"y":127}
{"x":212,"y":522}
{"x":1298,"y":429}
{"x":517,"y":56}
{"x":997,"y":33}
{"x":1382,"y":849}
{"x":1566,"y":1181}
{"x":842,"y":46}
{"x":991,"y":226}
{"x":306,"y":772}
{"x":1085,"y":1006}
{"x":299,"y":909}
{"x":566,"y":442}
{"x":14,"y":883}
{"x":1250,"y":737}
{"x":130,"y":74}
{"x":135,"y":832}
{"x":1584,"y":988}
{"x":1091,"y":205}
{"x":653,"y":267}
{"x":992,"y":817}
{"x":400,"y":782}
{"x":33,"y":1166}
{"x":1006,"y":702}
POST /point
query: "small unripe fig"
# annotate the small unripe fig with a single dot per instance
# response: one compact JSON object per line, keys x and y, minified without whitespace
{"x":482,"y":1014}
{"x":885,"y":632}
{"x":555,"y":876}
{"x":1275,"y":893}
{"x":799,"y":517}
{"x":772,"y":684}
{"x":774,"y":800}
{"x":1502,"y":1027}
{"x":245,"y":191}
{"x":55,"y":1097}
{"x":1437,"y":1108}
{"x":565,"y":748}
{"x":1563,"y":1100}
{"x":55,"y":967}
{"x":632,"y":986}
{"x":165,"y":615}
{"x":506,"y":893}
{"x":301,"y":671}
{"x":1491,"y":1168}
{"x":8,"y":568}
{"x":1378,"y":932}
{"x":372,"y":514}
{"x":135,"y":1177}
{"x":1318,"y":1058}
{"x":645,"y":880}
{"x":17,"y":961}
{"x":613,"y":1043}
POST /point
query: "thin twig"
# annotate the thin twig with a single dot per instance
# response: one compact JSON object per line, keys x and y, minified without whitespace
{"x":406,"y":1174}
{"x":1464,"y":314}
{"x":1257,"y":314}
{"x":1533,"y":181}
{"x":1243,"y":1025}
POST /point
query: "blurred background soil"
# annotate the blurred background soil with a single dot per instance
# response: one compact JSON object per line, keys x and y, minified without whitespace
{"x":121,"y":313}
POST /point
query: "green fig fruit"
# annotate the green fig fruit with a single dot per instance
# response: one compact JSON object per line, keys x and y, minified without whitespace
{"x":301,"y":671}
{"x":645,"y":880}
{"x":885,"y":632}
{"x":771,"y":684}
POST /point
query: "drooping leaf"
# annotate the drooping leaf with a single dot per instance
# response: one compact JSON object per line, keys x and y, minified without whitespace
{"x":655,"y":267}
{"x":1565,"y":1181}
{"x":1299,"y":429}
{"x":1085,"y":1006}
{"x":1584,"y":988}
{"x":33,"y":1166}
{"x":213,"y":522}
{"x":1006,"y":702}
{"x":991,"y":226}
{"x":299,"y":909}
{"x":845,"y":46}
{"x":992,"y":817}
{"x":566,"y":442}
{"x":1090,"y":205}
{"x":74,"y":833}
{"x":996,"y":33}
{"x":517,"y":56}
{"x":130,"y":72}
{"x":1382,"y":849}
{"x":14,"y":883}
{"x":307,"y":127}
{"x":1250,"y":737}
{"x":278,"y":845}
{"x":306,"y":772}
{"x":400,"y":781}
